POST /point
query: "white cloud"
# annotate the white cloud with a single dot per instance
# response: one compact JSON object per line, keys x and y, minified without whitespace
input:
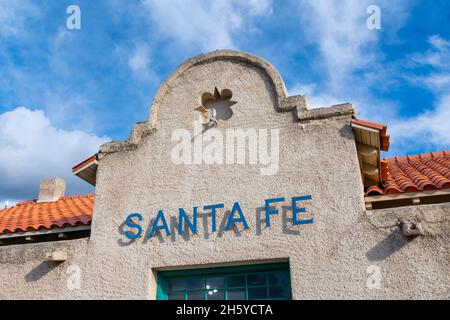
{"x":339,"y":29}
{"x":437,"y":55}
{"x":315,"y":99}
{"x":31,"y":148}
{"x":349,"y":53}
{"x":68,"y":93}
{"x":437,"y":58}
{"x":140,"y":58}
{"x":206,"y":25}
{"x":437,"y":81}
{"x":7,"y":203}
{"x":430,"y":128}
{"x":439,"y":42}
{"x":69,"y":109}
{"x":139,"y":62}
{"x":14,"y":15}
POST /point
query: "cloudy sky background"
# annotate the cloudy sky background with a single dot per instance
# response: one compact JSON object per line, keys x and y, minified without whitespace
{"x":65,"y":92}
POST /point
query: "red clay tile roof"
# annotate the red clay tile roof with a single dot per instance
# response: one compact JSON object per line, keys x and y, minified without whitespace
{"x":68,"y":211}
{"x":427,"y":171}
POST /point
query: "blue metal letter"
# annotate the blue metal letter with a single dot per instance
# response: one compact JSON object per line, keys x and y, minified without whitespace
{"x":213,"y":208}
{"x":130,"y":235}
{"x":155,"y":226}
{"x":183,"y":216}
{"x":296,"y":210}
{"x":231,"y":219}
{"x":270,"y":211}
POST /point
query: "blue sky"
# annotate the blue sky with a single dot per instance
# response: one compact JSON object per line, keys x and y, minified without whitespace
{"x":64,"y":92}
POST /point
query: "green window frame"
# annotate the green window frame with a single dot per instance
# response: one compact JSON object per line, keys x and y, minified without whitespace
{"x":269,"y":281}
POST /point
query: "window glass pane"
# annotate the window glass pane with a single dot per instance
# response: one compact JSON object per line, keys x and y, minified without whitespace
{"x":215,"y":294}
{"x":189,"y":283}
{"x":236,"y":281}
{"x":279,"y":292}
{"x":195,"y":283}
{"x":215,"y":283}
{"x":236,"y":294}
{"x":196,"y":295}
{"x":256,"y":280}
{"x":176,"y":295}
{"x":177,"y":284}
{"x":257,"y":293}
{"x":280,"y":278}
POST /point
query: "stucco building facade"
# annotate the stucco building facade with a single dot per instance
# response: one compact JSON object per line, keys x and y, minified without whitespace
{"x":320,"y":215}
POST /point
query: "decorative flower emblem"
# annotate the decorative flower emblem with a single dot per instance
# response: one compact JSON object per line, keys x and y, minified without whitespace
{"x":216,"y":106}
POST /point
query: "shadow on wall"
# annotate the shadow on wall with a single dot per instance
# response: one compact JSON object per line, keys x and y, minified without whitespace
{"x":388,"y":246}
{"x":41,"y":270}
{"x":347,"y":132}
{"x":286,"y":221}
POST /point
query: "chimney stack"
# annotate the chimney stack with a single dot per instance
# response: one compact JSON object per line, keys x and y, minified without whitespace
{"x":50,"y":190}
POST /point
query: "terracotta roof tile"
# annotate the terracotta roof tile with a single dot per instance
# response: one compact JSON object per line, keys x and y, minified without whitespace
{"x":69,"y":211}
{"x":427,"y":171}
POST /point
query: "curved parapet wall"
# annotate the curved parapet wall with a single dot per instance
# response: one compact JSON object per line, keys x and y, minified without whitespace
{"x":221,"y":62}
{"x":223,"y":55}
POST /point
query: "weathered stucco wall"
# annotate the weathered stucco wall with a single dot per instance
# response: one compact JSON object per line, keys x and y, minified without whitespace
{"x":328,"y":259}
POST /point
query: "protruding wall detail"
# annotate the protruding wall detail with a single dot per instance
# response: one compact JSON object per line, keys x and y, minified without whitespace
{"x":410,"y":227}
